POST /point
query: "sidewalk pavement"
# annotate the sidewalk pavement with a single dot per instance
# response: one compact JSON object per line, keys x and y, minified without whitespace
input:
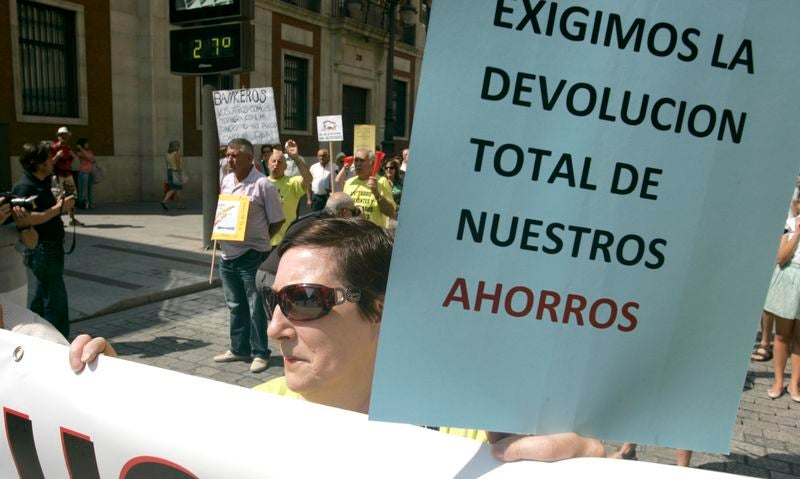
{"x":132,"y":254}
{"x":139,"y":277}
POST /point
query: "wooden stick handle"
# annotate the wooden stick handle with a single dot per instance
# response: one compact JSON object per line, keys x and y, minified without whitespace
{"x":330,"y":160}
{"x":213,"y":257}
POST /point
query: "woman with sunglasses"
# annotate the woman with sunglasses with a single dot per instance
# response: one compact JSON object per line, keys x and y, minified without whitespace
{"x":328,"y":300}
{"x":395,"y":176}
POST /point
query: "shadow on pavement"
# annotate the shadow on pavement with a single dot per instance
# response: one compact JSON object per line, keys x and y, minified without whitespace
{"x":159,"y":346}
{"x":109,"y":226}
{"x":758,"y":466}
{"x":761,"y":374}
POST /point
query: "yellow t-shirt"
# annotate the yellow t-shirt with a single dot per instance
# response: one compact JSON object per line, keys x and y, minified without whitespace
{"x":364,"y":199}
{"x":290,"y":190}
{"x":172,"y":160}
{"x":278,"y":386}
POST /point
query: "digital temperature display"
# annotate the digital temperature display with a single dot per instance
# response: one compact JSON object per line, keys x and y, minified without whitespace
{"x":211,"y":49}
{"x":207,"y":47}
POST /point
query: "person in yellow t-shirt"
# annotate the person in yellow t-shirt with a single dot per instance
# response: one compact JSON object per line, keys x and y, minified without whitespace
{"x":372,"y":194}
{"x":290,"y":188}
{"x":278,"y":386}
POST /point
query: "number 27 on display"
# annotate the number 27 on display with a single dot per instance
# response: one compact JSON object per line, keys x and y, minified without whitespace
{"x":216,"y":43}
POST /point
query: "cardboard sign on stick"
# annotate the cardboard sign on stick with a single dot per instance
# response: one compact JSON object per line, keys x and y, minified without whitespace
{"x":248,"y":114}
{"x":329,"y":128}
{"x":230,"y":221}
{"x":617,"y":174}
{"x":364,"y":137}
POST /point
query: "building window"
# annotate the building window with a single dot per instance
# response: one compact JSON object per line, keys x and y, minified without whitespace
{"x":295,"y":93}
{"x":313,"y":5}
{"x":48,"y":60}
{"x":399,"y":104}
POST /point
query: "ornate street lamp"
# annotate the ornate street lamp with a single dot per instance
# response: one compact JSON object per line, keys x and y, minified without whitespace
{"x":407,"y":14}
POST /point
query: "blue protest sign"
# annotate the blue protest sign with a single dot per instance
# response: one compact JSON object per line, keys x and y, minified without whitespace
{"x":590,"y":217}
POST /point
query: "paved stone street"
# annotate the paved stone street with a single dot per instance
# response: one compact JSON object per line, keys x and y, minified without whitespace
{"x":180,"y":334}
{"x":134,"y":253}
{"x":152,"y":299}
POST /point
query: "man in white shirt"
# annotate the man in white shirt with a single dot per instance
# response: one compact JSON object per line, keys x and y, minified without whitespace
{"x":321,"y":180}
{"x":404,"y":165}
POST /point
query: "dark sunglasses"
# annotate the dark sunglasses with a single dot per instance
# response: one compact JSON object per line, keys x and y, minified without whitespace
{"x":391,"y":168}
{"x":307,"y":301}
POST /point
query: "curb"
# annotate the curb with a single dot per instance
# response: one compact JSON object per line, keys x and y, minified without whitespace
{"x":155,"y":297}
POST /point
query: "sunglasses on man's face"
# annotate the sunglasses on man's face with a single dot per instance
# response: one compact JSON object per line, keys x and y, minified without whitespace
{"x":307,"y":301}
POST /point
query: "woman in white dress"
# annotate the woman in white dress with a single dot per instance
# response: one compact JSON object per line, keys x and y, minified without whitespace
{"x":783,"y":304}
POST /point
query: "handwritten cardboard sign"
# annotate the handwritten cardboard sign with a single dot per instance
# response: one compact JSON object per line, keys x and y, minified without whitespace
{"x":617,"y":174}
{"x":248,"y":114}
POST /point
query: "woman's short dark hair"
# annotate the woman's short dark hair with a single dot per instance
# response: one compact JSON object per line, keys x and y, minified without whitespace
{"x":363,"y":253}
{"x":33,"y":155}
{"x":174,"y":146}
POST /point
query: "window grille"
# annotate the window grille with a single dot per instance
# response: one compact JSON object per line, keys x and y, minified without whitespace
{"x":49,"y":71}
{"x":295,"y":93}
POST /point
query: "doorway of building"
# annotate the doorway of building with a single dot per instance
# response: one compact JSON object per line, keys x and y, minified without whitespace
{"x":354,"y":112}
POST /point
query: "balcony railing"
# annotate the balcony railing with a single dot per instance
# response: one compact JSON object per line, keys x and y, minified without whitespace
{"x":313,"y":5}
{"x":373,"y":13}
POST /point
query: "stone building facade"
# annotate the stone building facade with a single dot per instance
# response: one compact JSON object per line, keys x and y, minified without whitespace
{"x":102,"y":68}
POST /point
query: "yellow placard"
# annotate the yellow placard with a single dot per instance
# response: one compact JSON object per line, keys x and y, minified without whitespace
{"x":364,"y":137}
{"x":230,"y":222}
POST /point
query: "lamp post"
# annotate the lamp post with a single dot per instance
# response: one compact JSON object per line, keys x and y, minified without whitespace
{"x":407,"y":12}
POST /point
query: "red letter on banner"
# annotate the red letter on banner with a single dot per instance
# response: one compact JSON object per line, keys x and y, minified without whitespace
{"x":79,"y":455}
{"x":146,"y":467}
{"x":19,"y":432}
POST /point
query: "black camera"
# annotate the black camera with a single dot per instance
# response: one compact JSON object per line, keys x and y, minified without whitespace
{"x":28,"y":203}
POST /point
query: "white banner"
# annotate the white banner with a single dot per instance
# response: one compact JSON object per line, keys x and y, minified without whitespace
{"x":248,"y":114}
{"x":122,"y":419}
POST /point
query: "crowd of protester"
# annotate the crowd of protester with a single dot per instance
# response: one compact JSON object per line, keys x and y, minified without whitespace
{"x":314,"y":283}
{"x":321,"y":294}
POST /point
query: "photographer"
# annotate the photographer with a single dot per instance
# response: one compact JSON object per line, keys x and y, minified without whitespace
{"x":46,"y":260}
{"x":15,"y":228}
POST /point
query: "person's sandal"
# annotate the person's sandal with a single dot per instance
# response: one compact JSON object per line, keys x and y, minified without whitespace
{"x":775,"y":396}
{"x":629,"y":455}
{"x":761,"y":354}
